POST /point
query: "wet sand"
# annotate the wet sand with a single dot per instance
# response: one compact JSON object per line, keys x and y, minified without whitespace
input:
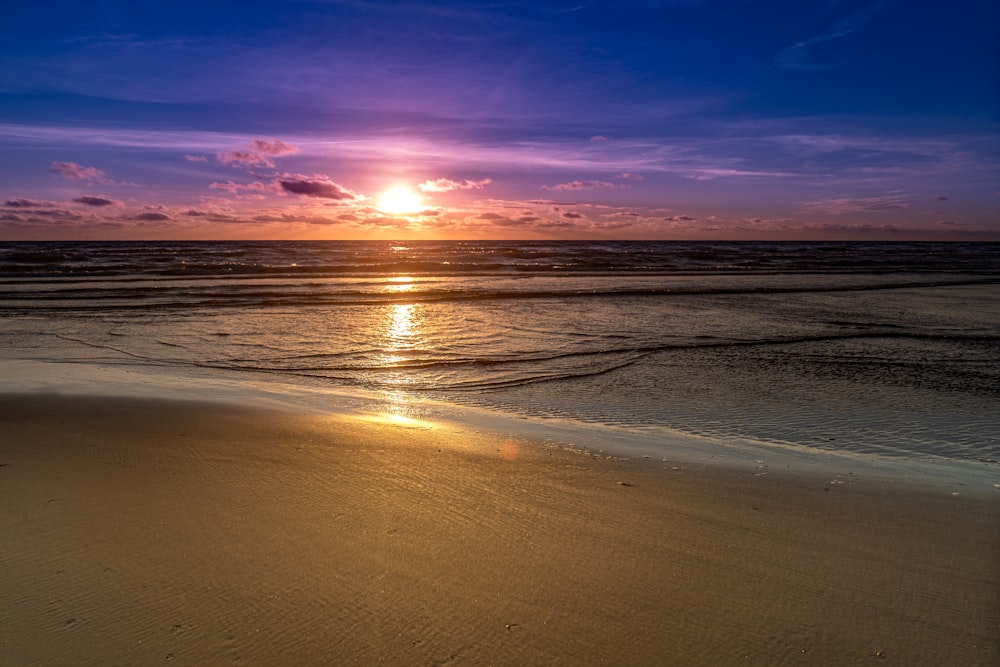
{"x":154,"y":531}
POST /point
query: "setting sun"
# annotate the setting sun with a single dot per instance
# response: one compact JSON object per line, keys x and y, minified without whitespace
{"x":400,"y":200}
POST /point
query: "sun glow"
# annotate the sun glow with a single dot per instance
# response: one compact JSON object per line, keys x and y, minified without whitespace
{"x":400,"y":200}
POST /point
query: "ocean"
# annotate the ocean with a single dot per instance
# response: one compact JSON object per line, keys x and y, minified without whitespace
{"x":886,"y":349}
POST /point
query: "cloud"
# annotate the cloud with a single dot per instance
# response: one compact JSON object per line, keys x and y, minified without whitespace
{"x":507,"y":221}
{"x":570,"y":215}
{"x":196,"y":158}
{"x":273,"y":147}
{"x":259,"y":152}
{"x":580,"y":185}
{"x":321,"y":187}
{"x":446,"y":185}
{"x":97,"y":201}
{"x":77,"y":172}
{"x":21,"y":202}
{"x":237,"y":188}
{"x":856,"y":204}
{"x":598,"y":137}
{"x":939,"y":198}
{"x":151,"y":217}
{"x":821,"y":52}
{"x":247,"y":158}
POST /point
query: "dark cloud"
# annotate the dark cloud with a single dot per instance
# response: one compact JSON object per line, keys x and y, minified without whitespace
{"x":21,"y":202}
{"x":939,"y":198}
{"x":322,"y":188}
{"x":570,"y":215}
{"x":152,"y":217}
{"x":96,"y":201}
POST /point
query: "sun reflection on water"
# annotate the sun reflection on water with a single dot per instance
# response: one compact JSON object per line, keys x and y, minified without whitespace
{"x":399,"y":284}
{"x":400,"y":329}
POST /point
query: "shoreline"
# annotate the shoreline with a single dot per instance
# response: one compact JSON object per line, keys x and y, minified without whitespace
{"x":146,"y":529}
{"x":32,"y":377}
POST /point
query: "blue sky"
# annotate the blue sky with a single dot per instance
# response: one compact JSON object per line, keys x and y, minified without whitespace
{"x":730,"y":119}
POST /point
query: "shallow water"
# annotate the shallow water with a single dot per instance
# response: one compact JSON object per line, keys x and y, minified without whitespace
{"x":891,"y":349}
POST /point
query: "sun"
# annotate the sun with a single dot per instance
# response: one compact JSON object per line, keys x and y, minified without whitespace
{"x":400,"y":200}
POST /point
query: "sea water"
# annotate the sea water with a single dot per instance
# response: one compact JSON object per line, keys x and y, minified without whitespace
{"x":890,"y":349}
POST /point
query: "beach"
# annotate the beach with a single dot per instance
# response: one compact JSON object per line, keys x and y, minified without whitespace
{"x":145,"y":531}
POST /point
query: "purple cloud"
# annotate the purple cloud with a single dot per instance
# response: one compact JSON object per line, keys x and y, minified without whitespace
{"x":21,"y":202}
{"x":273,"y":147}
{"x":152,"y":217}
{"x":77,"y":172}
{"x":321,"y":187}
{"x":570,"y":215}
{"x":260,"y":152}
{"x":580,"y":185}
{"x":857,"y":204}
{"x":196,"y":158}
{"x":96,"y":201}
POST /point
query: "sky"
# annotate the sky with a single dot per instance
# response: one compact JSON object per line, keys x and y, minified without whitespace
{"x":516,"y":119}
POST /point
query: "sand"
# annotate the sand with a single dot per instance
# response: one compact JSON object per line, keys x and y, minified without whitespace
{"x":139,"y":532}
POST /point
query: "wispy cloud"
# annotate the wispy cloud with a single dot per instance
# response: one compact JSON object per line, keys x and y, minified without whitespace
{"x":580,"y":185}
{"x":260,"y":152}
{"x":446,"y":185}
{"x":243,"y":188}
{"x":22,"y":202}
{"x":838,"y":205}
{"x":819,"y":52}
{"x":77,"y":172}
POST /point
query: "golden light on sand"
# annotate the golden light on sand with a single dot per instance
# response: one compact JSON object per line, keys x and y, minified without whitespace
{"x":399,"y":200}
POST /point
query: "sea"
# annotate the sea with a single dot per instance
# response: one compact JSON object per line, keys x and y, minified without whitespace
{"x":889,"y":350}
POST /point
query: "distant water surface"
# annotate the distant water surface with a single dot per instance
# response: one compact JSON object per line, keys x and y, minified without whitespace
{"x":885,"y":348}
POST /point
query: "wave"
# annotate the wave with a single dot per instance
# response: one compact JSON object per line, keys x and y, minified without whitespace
{"x":339,"y":258}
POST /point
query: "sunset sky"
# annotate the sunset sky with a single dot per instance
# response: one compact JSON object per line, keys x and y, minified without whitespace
{"x":582,"y":119}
